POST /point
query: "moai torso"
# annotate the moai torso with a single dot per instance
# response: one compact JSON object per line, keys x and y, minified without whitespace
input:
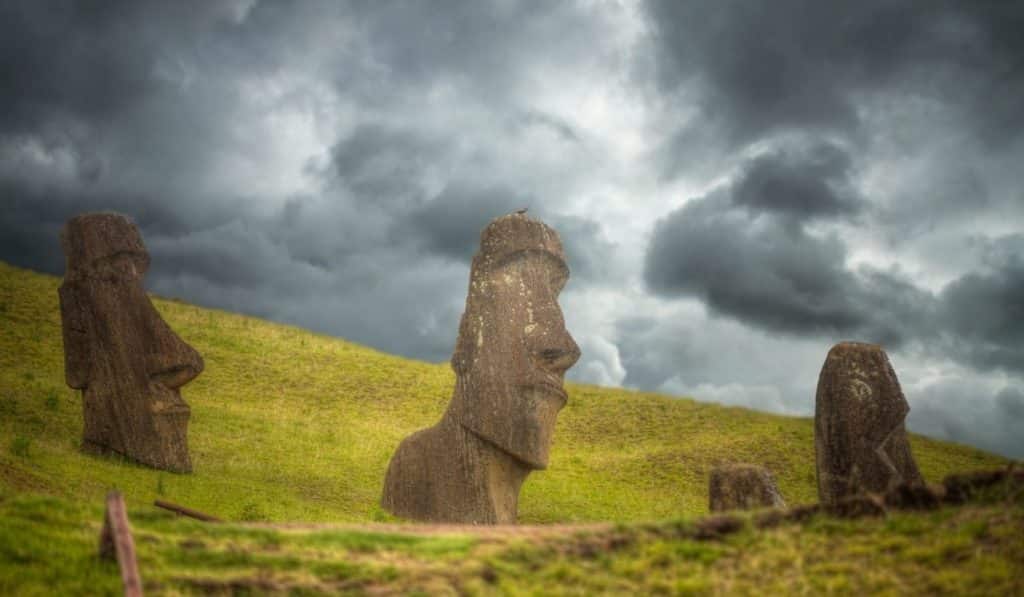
{"x":128,"y":363}
{"x":510,"y":358}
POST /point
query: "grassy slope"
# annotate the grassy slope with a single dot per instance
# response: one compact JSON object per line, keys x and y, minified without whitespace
{"x":290,"y":425}
{"x":50,"y":546}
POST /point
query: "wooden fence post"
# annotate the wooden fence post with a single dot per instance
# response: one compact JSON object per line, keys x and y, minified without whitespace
{"x":116,"y":543}
{"x":186,"y":511}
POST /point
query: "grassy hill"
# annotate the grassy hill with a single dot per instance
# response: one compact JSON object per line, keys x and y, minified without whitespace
{"x":291,"y":425}
{"x":288,"y":425}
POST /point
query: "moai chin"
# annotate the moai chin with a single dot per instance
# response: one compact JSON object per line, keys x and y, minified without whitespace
{"x":742,"y":487}
{"x":510,"y":359}
{"x":860,"y":439}
{"x":127,"y":361}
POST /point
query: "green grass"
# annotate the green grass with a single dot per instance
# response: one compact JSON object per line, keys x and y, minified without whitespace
{"x":288,"y":425}
{"x":48,"y":546}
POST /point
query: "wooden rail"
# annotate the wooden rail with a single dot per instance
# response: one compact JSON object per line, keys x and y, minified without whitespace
{"x":116,"y":543}
{"x":186,"y":511}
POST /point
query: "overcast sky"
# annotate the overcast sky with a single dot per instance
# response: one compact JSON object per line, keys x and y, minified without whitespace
{"x":739,"y":185}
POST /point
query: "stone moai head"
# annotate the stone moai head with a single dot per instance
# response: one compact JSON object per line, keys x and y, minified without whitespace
{"x":513,"y":348}
{"x":117,"y":349}
{"x":859,"y":436}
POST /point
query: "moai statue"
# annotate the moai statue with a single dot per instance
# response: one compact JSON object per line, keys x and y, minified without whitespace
{"x":118,"y":351}
{"x":859,"y":436}
{"x":510,"y":359}
{"x":743,"y":487}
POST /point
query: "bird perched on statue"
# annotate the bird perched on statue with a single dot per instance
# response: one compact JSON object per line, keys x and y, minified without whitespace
{"x":522,"y":211}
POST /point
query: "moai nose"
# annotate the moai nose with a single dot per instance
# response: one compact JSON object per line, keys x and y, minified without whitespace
{"x":172,"y":361}
{"x":560,"y":354}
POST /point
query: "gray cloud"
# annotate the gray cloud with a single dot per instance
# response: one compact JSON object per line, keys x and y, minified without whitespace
{"x":772,"y":272}
{"x":984,"y":310}
{"x":382,"y":164}
{"x":808,"y":65}
{"x":971,"y":411}
{"x":450,"y":223}
{"x":747,"y":258}
{"x":809,"y":182}
{"x":652,"y":352}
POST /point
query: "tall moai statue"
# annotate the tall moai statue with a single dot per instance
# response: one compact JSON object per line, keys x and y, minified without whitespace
{"x":860,"y":439}
{"x":127,"y":361}
{"x":510,"y":360}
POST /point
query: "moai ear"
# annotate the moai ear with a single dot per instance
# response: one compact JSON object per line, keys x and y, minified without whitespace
{"x":76,"y":337}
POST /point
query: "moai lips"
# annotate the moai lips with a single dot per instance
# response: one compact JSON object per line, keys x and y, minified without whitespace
{"x":510,"y":359}
{"x":742,"y":487}
{"x":118,"y":350}
{"x":859,"y":435}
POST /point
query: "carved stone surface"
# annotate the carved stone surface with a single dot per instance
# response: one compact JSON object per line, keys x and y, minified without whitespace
{"x":126,"y":360}
{"x":510,"y":359}
{"x":743,"y":487}
{"x":859,"y":435}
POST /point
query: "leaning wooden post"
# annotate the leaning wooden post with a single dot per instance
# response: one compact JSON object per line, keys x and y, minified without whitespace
{"x":186,"y":511}
{"x":116,"y":543}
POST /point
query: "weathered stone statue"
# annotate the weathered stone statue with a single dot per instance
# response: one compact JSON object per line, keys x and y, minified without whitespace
{"x":118,"y":351}
{"x":510,"y":359}
{"x":859,"y":435}
{"x":743,"y":487}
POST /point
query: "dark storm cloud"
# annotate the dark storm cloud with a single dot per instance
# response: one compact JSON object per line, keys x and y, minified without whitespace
{"x":53,"y":56}
{"x":450,"y":223}
{"x":381,"y":163}
{"x":34,"y":214}
{"x":746,"y":251}
{"x":1010,"y":404}
{"x":765,"y":67}
{"x":486,"y":45}
{"x":82,"y":85}
{"x":812,"y":182}
{"x":386,"y":168}
{"x":984,"y":310}
{"x":90,"y":61}
{"x":756,"y":260}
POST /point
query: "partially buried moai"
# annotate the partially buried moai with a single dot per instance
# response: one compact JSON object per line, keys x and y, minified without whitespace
{"x":510,"y":359}
{"x":860,"y":439}
{"x":742,"y":487}
{"x":126,"y":360}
